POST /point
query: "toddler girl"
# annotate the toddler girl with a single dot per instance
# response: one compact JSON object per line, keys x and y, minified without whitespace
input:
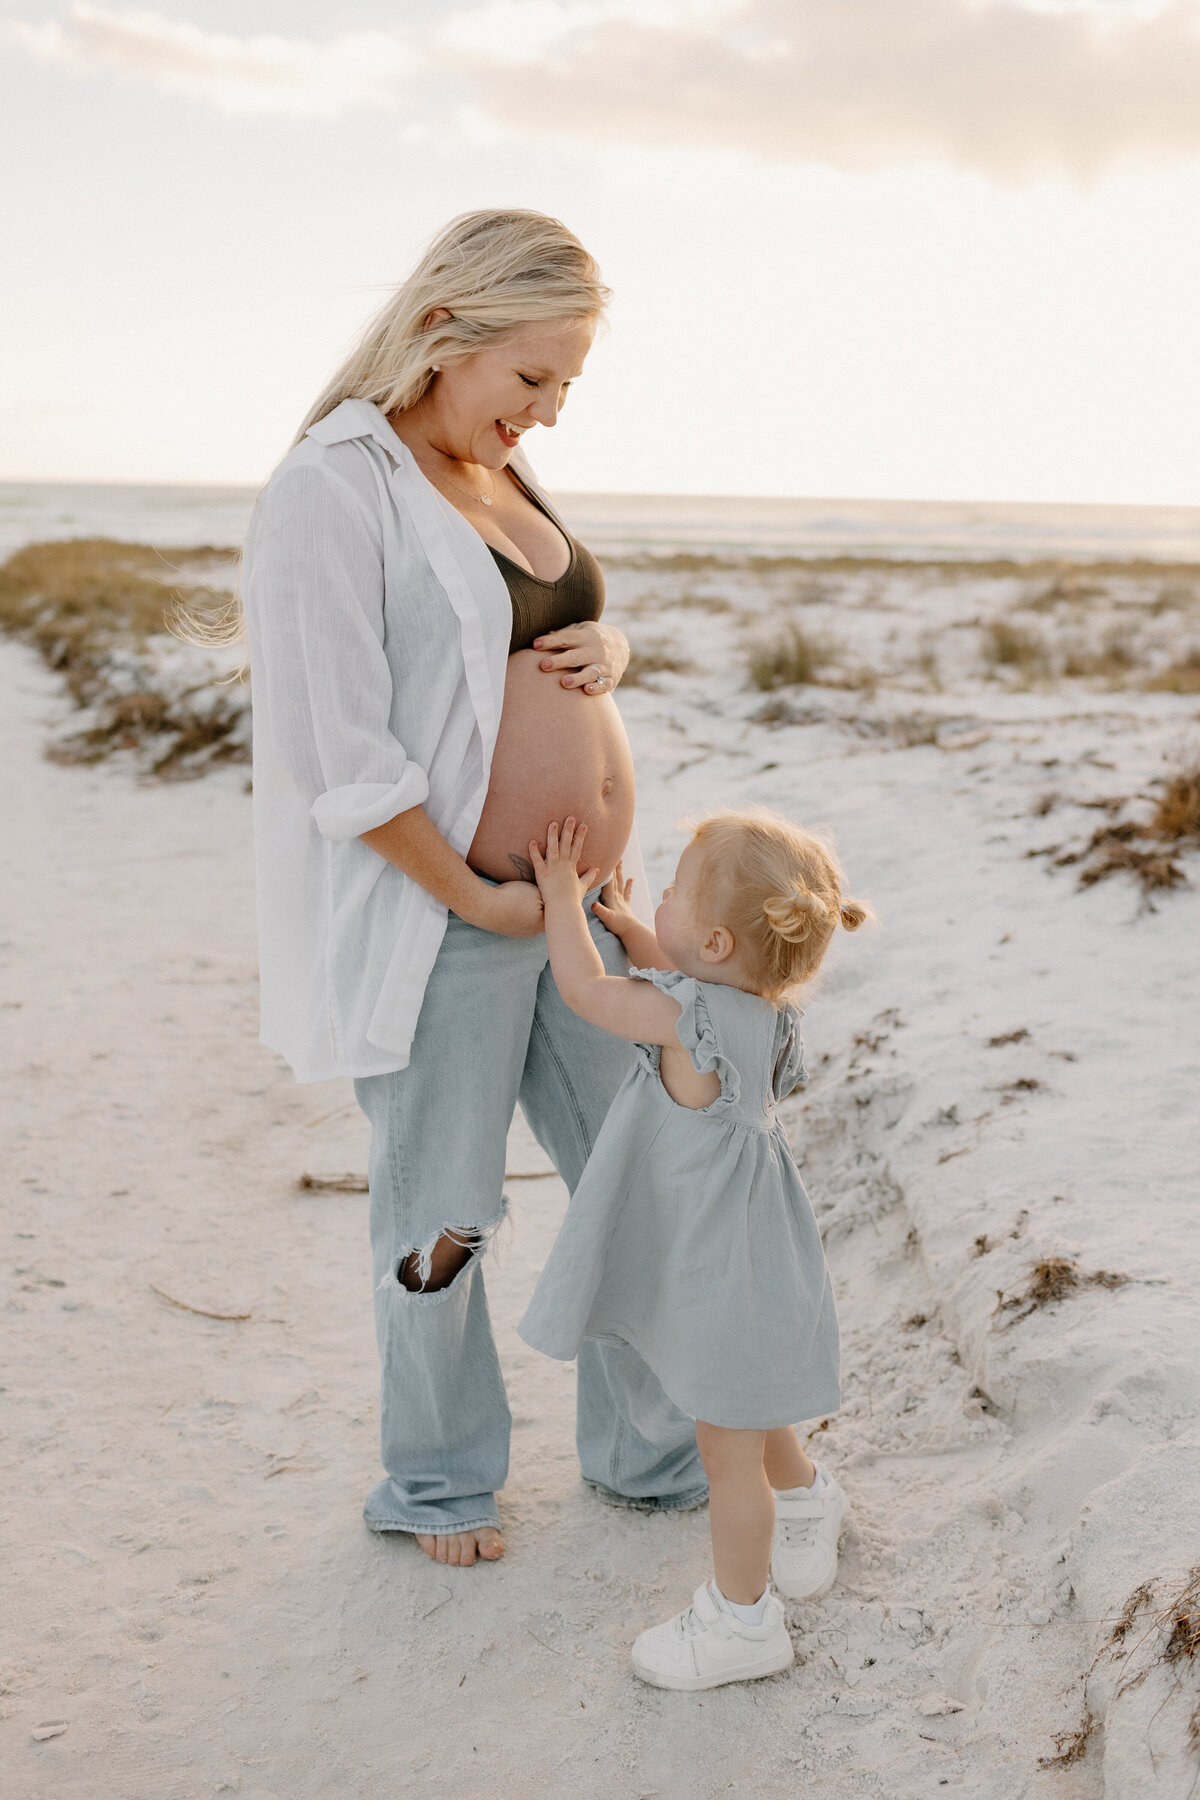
{"x":690,"y":1236}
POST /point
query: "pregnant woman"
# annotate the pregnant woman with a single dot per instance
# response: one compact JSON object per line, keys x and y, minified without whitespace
{"x":432,"y":684}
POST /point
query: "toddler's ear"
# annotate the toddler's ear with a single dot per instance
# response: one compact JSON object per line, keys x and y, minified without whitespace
{"x":719,"y":945}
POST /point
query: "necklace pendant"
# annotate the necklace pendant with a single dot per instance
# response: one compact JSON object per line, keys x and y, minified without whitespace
{"x":486,"y":499}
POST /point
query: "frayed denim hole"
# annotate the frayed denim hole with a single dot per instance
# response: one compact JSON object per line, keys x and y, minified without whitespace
{"x":477,"y":1239}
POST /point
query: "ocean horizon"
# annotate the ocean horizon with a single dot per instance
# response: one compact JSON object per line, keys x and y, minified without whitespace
{"x":663,"y":524}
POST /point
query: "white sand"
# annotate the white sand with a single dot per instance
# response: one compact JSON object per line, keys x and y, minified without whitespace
{"x":191,"y":1595}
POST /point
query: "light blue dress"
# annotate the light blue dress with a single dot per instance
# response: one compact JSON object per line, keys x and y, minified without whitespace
{"x":690,"y":1236}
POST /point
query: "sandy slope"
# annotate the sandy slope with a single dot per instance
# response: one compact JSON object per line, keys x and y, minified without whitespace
{"x":193,"y":1595}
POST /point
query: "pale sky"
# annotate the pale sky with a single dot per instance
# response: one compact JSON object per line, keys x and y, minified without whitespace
{"x":931,"y":249}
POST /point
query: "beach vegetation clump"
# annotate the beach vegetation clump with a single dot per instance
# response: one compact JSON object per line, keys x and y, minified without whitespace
{"x":1051,"y":1279}
{"x":70,"y":600}
{"x":709,"y":603}
{"x":1149,"y":849}
{"x":1069,"y":584}
{"x":1113,"y":661}
{"x":791,"y":658}
{"x":1170,"y":1641}
{"x":100,"y":612}
{"x":1009,"y":646}
{"x":1174,"y":596}
{"x":1181,"y":677}
{"x":653,"y":659}
{"x":779,"y":711}
{"x":1177,"y":815}
{"x":669,"y":562}
{"x":926,"y":663}
{"x":910,"y":730}
{"x":1113,"y":850}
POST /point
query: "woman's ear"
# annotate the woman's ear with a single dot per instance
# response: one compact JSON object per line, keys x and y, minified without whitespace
{"x":719,"y":945}
{"x":435,"y":317}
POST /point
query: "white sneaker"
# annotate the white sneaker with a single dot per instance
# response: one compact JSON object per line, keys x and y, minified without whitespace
{"x":804,"y":1557}
{"x":708,"y":1645}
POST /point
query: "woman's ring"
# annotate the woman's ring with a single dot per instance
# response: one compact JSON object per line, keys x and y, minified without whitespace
{"x":599,"y":681}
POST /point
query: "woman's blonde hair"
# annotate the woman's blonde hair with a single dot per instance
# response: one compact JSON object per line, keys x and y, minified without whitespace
{"x":779,"y":890}
{"x":492,"y":272}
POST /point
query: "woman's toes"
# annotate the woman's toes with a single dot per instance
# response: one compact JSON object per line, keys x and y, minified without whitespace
{"x":459,"y":1549}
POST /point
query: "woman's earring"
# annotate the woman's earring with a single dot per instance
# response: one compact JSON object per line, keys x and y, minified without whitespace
{"x":436,"y":369}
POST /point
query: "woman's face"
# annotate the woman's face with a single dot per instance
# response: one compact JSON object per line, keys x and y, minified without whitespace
{"x":478,"y":410}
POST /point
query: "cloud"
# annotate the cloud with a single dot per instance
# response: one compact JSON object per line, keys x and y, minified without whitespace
{"x":999,"y":88}
{"x":294,"y":77}
{"x":1008,"y":88}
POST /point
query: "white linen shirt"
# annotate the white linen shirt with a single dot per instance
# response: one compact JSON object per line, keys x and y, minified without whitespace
{"x":379,"y":628}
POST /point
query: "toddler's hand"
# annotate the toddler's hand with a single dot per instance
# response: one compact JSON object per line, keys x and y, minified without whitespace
{"x":557,"y":872}
{"x":613,"y":907}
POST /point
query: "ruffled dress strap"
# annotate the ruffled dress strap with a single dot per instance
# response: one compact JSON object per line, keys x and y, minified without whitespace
{"x":787,"y":1057}
{"x":695,"y":1031}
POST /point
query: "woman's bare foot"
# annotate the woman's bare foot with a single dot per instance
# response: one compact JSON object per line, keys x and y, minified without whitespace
{"x":460,"y":1548}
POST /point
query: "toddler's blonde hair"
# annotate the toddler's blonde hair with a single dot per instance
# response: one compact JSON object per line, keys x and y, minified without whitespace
{"x":778,"y":889}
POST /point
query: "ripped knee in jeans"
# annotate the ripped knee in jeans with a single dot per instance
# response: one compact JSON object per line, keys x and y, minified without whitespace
{"x":428,"y":1270}
{"x":434,"y":1266}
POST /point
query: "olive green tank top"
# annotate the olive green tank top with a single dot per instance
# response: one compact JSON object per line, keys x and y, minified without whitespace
{"x":539,"y":606}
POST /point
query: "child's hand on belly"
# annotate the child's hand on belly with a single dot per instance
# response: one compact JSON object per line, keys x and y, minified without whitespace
{"x":557,"y":872}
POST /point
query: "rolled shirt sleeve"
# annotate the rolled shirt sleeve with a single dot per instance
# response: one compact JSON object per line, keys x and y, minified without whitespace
{"x":317,"y":606}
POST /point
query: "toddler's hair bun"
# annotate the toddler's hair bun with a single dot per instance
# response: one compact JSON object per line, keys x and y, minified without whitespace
{"x":797,"y":915}
{"x":853,"y":915}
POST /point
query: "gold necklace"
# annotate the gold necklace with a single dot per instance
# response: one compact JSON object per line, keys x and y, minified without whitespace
{"x":483,"y":499}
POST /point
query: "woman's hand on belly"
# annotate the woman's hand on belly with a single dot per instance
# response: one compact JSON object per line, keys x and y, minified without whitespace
{"x":581,"y":650}
{"x":559,"y":752}
{"x":513,"y":909}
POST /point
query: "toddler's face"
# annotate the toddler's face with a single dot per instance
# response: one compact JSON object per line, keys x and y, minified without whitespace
{"x":679,"y":923}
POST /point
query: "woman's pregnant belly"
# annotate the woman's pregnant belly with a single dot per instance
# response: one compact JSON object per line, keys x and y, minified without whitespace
{"x":559,"y":752}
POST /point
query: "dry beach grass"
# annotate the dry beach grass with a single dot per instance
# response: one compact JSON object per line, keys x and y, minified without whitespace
{"x":99,"y":613}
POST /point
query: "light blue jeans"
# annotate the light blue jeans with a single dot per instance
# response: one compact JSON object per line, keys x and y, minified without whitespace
{"x":493,"y":1031}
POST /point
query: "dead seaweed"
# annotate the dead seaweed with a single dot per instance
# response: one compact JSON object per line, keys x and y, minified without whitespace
{"x":1053,"y":1279}
{"x":1148,"y":849}
{"x":1112,"y":850}
{"x":336,"y":1184}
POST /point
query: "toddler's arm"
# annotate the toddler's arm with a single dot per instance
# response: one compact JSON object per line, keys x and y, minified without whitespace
{"x":629,"y":1009}
{"x":613,"y":909}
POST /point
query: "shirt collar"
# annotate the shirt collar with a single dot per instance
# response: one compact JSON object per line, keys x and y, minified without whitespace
{"x":357,"y":419}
